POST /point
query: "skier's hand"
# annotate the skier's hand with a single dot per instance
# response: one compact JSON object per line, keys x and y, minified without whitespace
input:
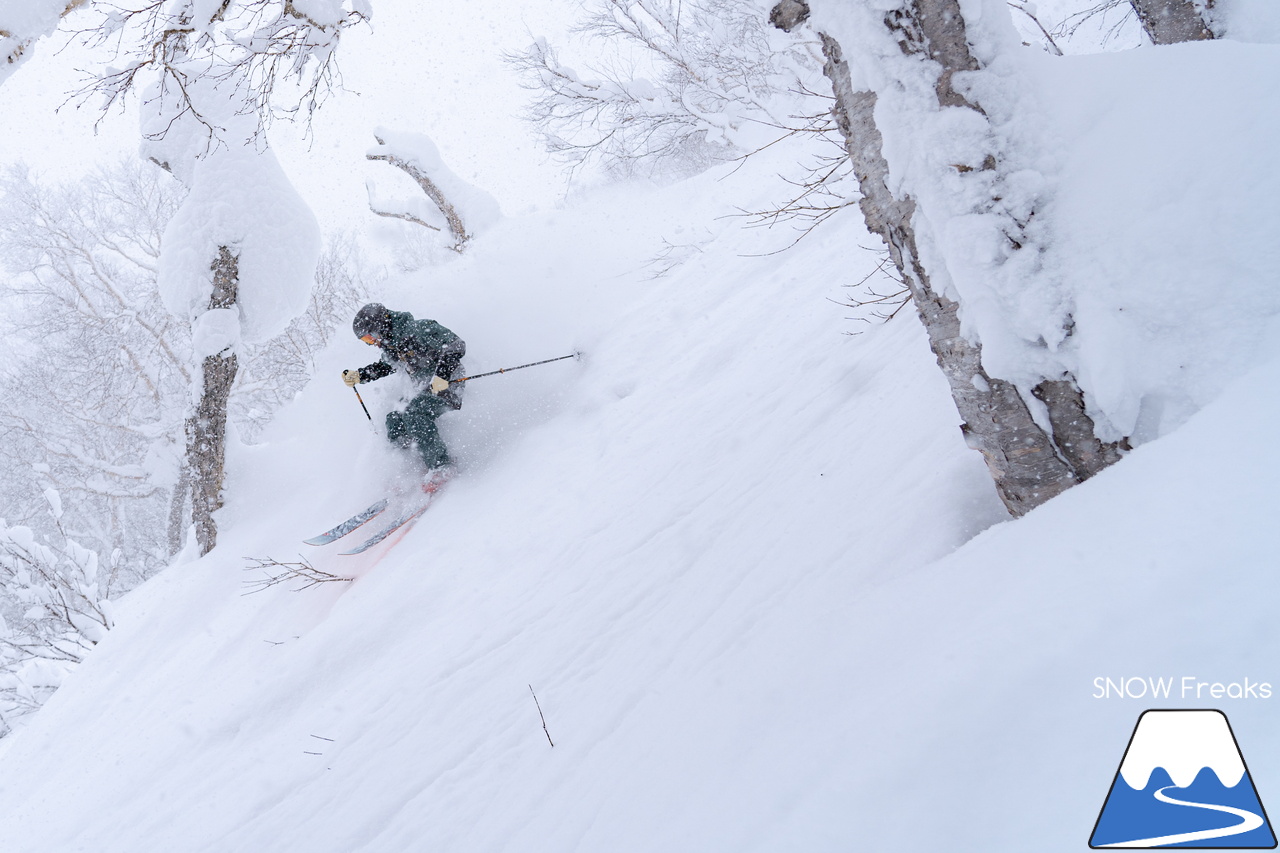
{"x":351,"y":377}
{"x":438,"y":385}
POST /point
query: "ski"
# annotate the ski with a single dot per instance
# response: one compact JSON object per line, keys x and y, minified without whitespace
{"x":431,"y":489}
{"x":407,"y":518}
{"x":347,"y":526}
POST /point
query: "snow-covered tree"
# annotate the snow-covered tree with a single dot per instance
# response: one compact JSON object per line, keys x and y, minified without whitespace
{"x":23,"y":23}
{"x":98,"y":374}
{"x":237,"y":260}
{"x":240,"y":262}
{"x":956,"y":204}
{"x":239,"y":256}
{"x":678,"y":84}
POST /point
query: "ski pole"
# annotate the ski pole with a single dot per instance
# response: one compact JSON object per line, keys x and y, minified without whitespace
{"x":517,"y":367}
{"x":362,"y":405}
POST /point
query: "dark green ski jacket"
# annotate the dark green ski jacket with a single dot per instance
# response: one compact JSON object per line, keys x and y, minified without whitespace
{"x":422,"y":348}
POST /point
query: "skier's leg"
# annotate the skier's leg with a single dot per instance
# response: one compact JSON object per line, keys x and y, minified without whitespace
{"x":398,"y":429}
{"x":420,"y":423}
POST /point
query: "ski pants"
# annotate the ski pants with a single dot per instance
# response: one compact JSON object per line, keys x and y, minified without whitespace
{"x":415,"y":427}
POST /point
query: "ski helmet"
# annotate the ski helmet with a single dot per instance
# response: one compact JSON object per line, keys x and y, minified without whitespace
{"x":372,"y":319}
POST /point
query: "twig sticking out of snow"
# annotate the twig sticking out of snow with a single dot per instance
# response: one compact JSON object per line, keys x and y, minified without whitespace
{"x":541,"y":717}
{"x":277,"y":572}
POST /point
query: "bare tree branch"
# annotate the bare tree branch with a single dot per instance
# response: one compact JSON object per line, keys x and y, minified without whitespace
{"x":457,"y":229}
{"x":276,"y":572}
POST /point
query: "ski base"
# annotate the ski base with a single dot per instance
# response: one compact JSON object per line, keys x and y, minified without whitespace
{"x":409,"y":511}
{"x":347,"y":526}
{"x":407,"y":518}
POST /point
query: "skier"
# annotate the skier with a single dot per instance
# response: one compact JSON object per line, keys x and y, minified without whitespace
{"x":431,"y":355}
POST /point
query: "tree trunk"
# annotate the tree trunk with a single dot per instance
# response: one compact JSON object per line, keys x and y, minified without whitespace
{"x":1028,"y":464}
{"x":207,"y":426}
{"x":789,"y":14}
{"x":177,"y":505}
{"x":1171,"y":21}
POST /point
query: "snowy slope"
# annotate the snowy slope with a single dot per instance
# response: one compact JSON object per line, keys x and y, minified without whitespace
{"x":736,"y":553}
{"x":621,"y":532}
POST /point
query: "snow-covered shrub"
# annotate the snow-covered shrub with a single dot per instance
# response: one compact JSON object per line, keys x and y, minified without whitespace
{"x":55,"y":609}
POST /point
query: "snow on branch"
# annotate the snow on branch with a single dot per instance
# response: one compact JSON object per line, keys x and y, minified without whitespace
{"x":1028,"y":14}
{"x":243,"y":48}
{"x":454,"y":202}
{"x":240,"y":197}
{"x":23,"y":23}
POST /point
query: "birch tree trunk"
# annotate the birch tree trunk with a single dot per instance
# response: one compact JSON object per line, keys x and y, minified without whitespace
{"x":1028,"y":463}
{"x":1171,"y":21}
{"x":207,"y":426}
{"x":178,"y":503}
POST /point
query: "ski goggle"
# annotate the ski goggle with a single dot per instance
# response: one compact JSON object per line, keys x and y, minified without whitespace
{"x":369,"y":339}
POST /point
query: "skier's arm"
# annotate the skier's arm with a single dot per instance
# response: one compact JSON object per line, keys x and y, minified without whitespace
{"x":375,"y":371}
{"x":369,"y":373}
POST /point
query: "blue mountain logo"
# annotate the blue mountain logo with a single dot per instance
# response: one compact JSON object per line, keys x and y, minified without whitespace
{"x":1183,"y":783}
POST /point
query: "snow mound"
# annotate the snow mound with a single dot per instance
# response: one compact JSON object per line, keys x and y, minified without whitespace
{"x":241,"y":198}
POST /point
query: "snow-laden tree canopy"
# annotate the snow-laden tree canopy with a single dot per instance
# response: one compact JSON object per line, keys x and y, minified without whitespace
{"x":242,"y":199}
{"x":22,"y":23}
{"x":199,"y":123}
